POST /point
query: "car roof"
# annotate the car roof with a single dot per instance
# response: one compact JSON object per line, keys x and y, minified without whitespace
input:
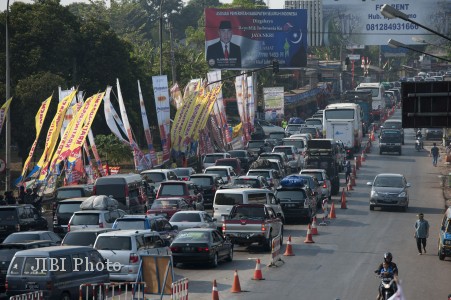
{"x":190,"y":212}
{"x":176,"y":182}
{"x":170,"y":198}
{"x":44,"y":251}
{"x":216,"y":153}
{"x":205,"y":175}
{"x":34,"y":232}
{"x":91,"y":229}
{"x":155,"y":171}
{"x":69,"y":187}
{"x":389,"y":175}
{"x":241,"y":190}
{"x":129,"y":232}
{"x":250,"y":177}
{"x":78,"y":199}
{"x":29,"y":242}
{"x":197,"y":229}
{"x":313,"y":170}
{"x":219,"y":167}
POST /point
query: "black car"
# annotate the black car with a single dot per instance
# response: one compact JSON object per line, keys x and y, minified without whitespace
{"x":63,"y":211}
{"x":201,"y":245}
{"x":245,"y":157}
{"x":25,"y":217}
{"x":85,"y":237}
{"x":7,"y":252}
{"x":39,"y":235}
{"x":433,"y":134}
{"x":209,"y":183}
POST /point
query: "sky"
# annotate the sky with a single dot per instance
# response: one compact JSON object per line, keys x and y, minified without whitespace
{"x":273,"y":3}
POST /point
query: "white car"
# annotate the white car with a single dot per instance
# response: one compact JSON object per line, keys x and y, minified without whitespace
{"x":226,"y":172}
{"x":192,"y":219}
{"x":155,"y":177}
{"x":268,"y":127}
{"x":211,"y":158}
{"x":94,"y":219}
{"x":294,"y":158}
{"x":323,"y":180}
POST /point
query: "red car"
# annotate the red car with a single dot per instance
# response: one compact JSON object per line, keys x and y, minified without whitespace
{"x":168,"y":206}
{"x":182,"y":189}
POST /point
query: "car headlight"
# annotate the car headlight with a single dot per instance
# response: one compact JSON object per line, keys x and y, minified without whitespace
{"x":374,"y":194}
{"x":403,"y":194}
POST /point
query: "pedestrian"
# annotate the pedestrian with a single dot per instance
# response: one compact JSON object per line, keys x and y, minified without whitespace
{"x":348,"y":170}
{"x":421,"y":233}
{"x":435,"y":153}
{"x":21,"y":194}
{"x":284,"y":123}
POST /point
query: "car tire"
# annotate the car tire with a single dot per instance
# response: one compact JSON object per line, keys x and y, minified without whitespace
{"x":230,"y":256}
{"x":268,"y":244}
{"x":214,"y":262}
{"x":371,"y":207}
{"x":281,"y":237}
{"x":440,"y":254}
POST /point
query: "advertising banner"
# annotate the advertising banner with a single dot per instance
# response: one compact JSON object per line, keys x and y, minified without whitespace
{"x":273,"y":98}
{"x":253,"y":38}
{"x":352,"y":23}
{"x":4,"y":111}
{"x":161,"y":94}
{"x":148,"y":134}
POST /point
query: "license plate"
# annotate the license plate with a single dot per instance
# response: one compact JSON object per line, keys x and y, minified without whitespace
{"x":32,"y":286}
{"x":163,"y":214}
{"x":188,"y":249}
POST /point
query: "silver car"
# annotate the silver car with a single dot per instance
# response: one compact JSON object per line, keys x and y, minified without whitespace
{"x":389,"y":190}
{"x":294,"y":157}
{"x":192,"y":219}
{"x":323,"y":180}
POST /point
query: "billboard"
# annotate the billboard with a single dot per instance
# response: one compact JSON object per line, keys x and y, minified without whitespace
{"x":361,"y":23}
{"x":274,"y":103}
{"x":251,"y":39}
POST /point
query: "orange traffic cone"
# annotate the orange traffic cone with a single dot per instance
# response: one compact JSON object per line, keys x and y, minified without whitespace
{"x":314,"y":228}
{"x":258,"y":271}
{"x":343,"y":199}
{"x":363,"y":156}
{"x":289,"y":249}
{"x":214,"y":292}
{"x":308,"y":238}
{"x":354,"y":172}
{"x":236,"y":286}
{"x":332,"y":212}
{"x":352,"y":180}
{"x":349,"y":185}
{"x":373,"y":138}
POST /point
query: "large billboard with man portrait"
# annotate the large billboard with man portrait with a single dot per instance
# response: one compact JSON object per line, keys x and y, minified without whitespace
{"x":251,"y":39}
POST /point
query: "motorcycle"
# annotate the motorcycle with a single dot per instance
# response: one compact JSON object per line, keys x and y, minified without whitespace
{"x":418,"y":144}
{"x":387,"y":287}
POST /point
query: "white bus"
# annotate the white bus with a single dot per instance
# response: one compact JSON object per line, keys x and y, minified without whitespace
{"x":343,"y":122}
{"x":377,"y":90}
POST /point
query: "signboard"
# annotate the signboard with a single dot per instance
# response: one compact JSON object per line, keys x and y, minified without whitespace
{"x":253,"y":38}
{"x":274,"y":104}
{"x":354,"y":56}
{"x":353,"y":23}
{"x":426,"y":104}
{"x":275,"y":250}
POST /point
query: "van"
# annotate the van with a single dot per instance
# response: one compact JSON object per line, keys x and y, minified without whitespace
{"x":63,"y":212}
{"x":225,"y":199}
{"x":444,"y":240}
{"x":127,"y":189}
{"x":58,"y":271}
{"x":24,"y":217}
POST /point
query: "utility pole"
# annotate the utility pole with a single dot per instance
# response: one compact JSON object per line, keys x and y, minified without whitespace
{"x":173,"y":67}
{"x":161,"y":37}
{"x":8,"y":116}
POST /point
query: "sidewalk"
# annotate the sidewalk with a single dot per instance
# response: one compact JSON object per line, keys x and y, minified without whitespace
{"x":445,"y":170}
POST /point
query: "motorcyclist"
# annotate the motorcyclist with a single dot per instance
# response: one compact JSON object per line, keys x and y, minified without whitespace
{"x":390,"y":270}
{"x":419,"y":137}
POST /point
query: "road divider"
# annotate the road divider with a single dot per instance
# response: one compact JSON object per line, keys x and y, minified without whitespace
{"x":179,"y":289}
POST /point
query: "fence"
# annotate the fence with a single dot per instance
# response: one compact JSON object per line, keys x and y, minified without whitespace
{"x":179,"y":289}
{"x":38,"y":295}
{"x":107,"y":290}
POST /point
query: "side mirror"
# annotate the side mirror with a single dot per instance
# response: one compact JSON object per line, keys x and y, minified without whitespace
{"x":214,"y":219}
{"x":408,"y":185}
{"x":175,"y":227}
{"x":369,"y":183}
{"x":279,"y":215}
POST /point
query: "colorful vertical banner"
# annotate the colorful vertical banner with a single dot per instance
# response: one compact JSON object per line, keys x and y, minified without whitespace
{"x":219,"y":109}
{"x":111,"y":117}
{"x":273,"y":100}
{"x":176,"y":96}
{"x":161,"y":94}
{"x":250,"y":103}
{"x":39,"y":121}
{"x":147,"y":133}
{"x":240,"y":83}
{"x":92,"y":143}
{"x":3,"y":112}
{"x":69,"y":113}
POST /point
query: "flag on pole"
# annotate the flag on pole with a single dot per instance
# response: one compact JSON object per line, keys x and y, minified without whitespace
{"x":3,"y":112}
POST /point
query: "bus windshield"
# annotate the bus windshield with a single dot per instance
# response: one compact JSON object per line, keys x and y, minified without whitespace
{"x":339,"y":114}
{"x":374,"y":90}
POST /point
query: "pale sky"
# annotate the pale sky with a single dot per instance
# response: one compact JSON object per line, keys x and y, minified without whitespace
{"x":274,"y":4}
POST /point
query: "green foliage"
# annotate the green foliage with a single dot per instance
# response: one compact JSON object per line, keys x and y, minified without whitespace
{"x":113,"y":150}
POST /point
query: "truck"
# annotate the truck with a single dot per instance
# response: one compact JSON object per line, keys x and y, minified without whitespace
{"x":253,"y":223}
{"x":364,"y":99}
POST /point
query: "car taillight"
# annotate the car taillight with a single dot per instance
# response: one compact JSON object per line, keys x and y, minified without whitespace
{"x":325,"y":185}
{"x":17,"y":227}
{"x":68,"y":227}
{"x":101,"y":225}
{"x":223,"y":227}
{"x":6,"y":285}
{"x":203,"y":249}
{"x":213,"y":189}
{"x":185,"y":178}
{"x":175,"y":249}
{"x":134,"y":258}
{"x":263,"y":227}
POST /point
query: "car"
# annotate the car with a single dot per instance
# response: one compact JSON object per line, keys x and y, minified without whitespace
{"x":159,"y":224}
{"x":268,"y":127}
{"x":245,"y":157}
{"x":278,"y":137}
{"x":63,"y":212}
{"x":271,"y":175}
{"x":293,"y":129}
{"x":209,"y":183}
{"x":294,"y":157}
{"x":210,"y":159}
{"x":184,"y":173}
{"x":316,"y":134}
{"x":201,"y":245}
{"x":39,"y":235}
{"x":323,"y":180}
{"x":307,"y":136}
{"x":313,"y":188}
{"x":315,"y":122}
{"x":394,"y":124}
{"x":192,"y":219}
{"x":389,"y":190}
{"x":7,"y":252}
{"x":86,"y":237}
{"x":167,"y":207}
{"x":22,"y":217}
{"x":254,"y":147}
{"x":182,"y":189}
{"x":257,"y":182}
{"x":433,"y":134}
{"x":274,"y":164}
{"x":73,"y":191}
{"x":226,"y":172}
{"x":125,"y":248}
{"x":92,"y":218}
{"x":281,"y":156}
{"x":296,"y":120}
{"x":235,"y":163}
{"x":155,"y":177}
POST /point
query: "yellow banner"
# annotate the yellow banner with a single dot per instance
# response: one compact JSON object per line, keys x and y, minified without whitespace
{"x":39,"y":120}
{"x":54,"y":131}
{"x":212,"y":97}
{"x":237,"y":130}
{"x":183,"y":113}
{"x":3,"y":112}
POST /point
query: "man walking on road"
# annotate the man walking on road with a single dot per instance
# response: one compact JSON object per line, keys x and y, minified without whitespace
{"x":421,"y":232}
{"x":435,"y":154}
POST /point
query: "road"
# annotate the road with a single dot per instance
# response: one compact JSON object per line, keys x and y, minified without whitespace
{"x":340,"y":264}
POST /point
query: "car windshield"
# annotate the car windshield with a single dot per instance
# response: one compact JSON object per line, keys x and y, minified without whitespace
{"x":79,"y":238}
{"x":255,"y":144}
{"x":85,"y":219}
{"x":286,"y":150}
{"x":292,"y":128}
{"x":311,"y":130}
{"x":237,"y":153}
{"x":389,"y":181}
{"x":17,"y":238}
{"x":201,"y":181}
{"x":317,"y":175}
{"x":171,"y":190}
{"x":129,"y":224}
{"x":257,"y":213}
{"x":69,"y":193}
{"x":265,"y":174}
{"x":183,"y":217}
{"x":277,"y":135}
{"x":232,"y":163}
{"x":293,"y":142}
{"x":113,"y":243}
{"x":228,"y":199}
{"x":212,"y":158}
{"x":396,"y":125}
{"x":222,"y":173}
{"x":255,"y":183}
{"x":291,"y":195}
{"x":182,"y":172}
{"x":155,"y":177}
{"x":68,"y":208}
{"x":313,"y":122}
{"x":164,"y":204}
{"x":8,"y":216}
{"x":270,"y":156}
{"x":193,"y":236}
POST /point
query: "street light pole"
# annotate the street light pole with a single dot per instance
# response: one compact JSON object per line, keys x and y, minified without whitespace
{"x":161,"y":37}
{"x":396,"y":44}
{"x":392,"y":13}
{"x":8,"y":116}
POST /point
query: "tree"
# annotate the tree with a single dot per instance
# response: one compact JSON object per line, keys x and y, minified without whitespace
{"x":113,"y":150}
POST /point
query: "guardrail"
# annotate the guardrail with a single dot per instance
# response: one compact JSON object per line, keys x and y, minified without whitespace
{"x":179,"y":289}
{"x":37,"y":295}
{"x":112,"y":289}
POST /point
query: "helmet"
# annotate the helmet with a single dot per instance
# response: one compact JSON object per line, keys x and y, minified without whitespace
{"x":388,"y":257}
